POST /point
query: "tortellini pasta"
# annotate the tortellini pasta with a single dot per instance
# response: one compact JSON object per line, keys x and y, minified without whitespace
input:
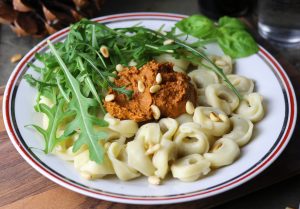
{"x":180,"y":65}
{"x":251,"y":107}
{"x":191,"y":140}
{"x":201,"y":100}
{"x":223,"y":152}
{"x":126,"y":128}
{"x":168,"y":126}
{"x":138,"y":159}
{"x":203,"y":77}
{"x":190,"y":167}
{"x":149,"y":133}
{"x":224,"y":62}
{"x":188,"y":146}
{"x":220,"y":96}
{"x":242,"y":130}
{"x":166,"y":154}
{"x":217,"y":125}
{"x":184,"y":118}
{"x":118,"y":157}
{"x":242,"y":84}
{"x":90,"y":169}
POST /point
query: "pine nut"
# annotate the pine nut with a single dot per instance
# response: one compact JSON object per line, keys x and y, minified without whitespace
{"x":132,"y":63}
{"x":58,"y":148}
{"x":214,"y":117}
{"x":111,"y":79}
{"x":152,"y":149}
{"x":154,"y":180}
{"x":106,"y":145}
{"x":15,"y":58}
{"x":86,"y":175}
{"x":220,"y":62}
{"x":216,"y":146}
{"x":109,"y":97}
{"x":168,"y":42}
{"x":154,"y":88}
{"x":104,"y":51}
{"x":141,"y":86}
{"x":170,"y":51}
{"x":155,"y":112}
{"x":119,"y":67}
{"x":189,"y":107}
{"x":158,"y":78}
{"x":163,"y":33}
{"x":223,"y":117}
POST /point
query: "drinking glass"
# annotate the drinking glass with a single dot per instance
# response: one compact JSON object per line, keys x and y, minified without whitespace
{"x":279,"y":20}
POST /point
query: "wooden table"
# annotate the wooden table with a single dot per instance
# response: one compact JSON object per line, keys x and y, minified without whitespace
{"x":23,"y":187}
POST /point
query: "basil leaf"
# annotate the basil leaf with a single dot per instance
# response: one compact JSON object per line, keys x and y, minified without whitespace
{"x":197,"y":25}
{"x":231,"y":22}
{"x":236,"y":43}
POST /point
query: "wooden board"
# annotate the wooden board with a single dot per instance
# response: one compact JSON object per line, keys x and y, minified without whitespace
{"x":23,"y":187}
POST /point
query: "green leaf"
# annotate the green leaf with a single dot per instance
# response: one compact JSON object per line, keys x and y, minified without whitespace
{"x":83,"y":121}
{"x":197,"y":25}
{"x":236,"y":43}
{"x":56,"y":116}
{"x":231,"y":22}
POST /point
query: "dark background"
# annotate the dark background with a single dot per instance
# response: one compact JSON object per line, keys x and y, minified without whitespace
{"x":281,"y":195}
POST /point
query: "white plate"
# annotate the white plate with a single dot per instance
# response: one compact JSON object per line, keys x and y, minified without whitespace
{"x":270,"y":137}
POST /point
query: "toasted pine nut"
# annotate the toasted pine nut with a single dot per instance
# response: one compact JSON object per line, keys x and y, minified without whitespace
{"x":132,"y":63}
{"x":119,"y":67}
{"x":58,"y":148}
{"x":154,"y":180}
{"x":109,"y":97}
{"x":189,"y":107}
{"x":104,"y":51}
{"x":86,"y":175}
{"x":154,"y":88}
{"x":158,"y":78}
{"x":111,"y":79}
{"x":155,"y":112}
{"x":168,"y":42}
{"x":163,"y":33}
{"x":220,"y":62}
{"x":223,"y":117}
{"x":141,"y":86}
{"x":152,"y":149}
{"x":216,"y":146}
{"x":170,"y":51}
{"x":106,"y":145}
{"x":214,"y":117}
{"x":15,"y":58}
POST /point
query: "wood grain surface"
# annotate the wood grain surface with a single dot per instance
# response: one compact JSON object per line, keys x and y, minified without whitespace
{"x":23,"y":187}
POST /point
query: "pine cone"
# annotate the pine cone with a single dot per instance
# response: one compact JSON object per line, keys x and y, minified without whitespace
{"x":42,"y":17}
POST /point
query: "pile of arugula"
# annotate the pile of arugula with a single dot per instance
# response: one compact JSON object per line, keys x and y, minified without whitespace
{"x":75,"y":76}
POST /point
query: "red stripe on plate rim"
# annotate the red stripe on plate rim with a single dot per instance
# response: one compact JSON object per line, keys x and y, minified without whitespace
{"x":182,"y":197}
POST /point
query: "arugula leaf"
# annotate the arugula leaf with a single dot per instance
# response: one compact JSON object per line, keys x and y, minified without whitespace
{"x":231,"y":22}
{"x":236,"y":43}
{"x":56,"y":116}
{"x":197,"y":25}
{"x":83,"y":121}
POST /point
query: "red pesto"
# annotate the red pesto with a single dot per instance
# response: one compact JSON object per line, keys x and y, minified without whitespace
{"x":171,"y":99}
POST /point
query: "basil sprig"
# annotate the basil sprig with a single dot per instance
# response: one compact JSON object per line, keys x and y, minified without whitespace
{"x":230,"y":33}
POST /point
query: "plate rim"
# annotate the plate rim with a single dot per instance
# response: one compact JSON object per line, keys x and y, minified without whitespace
{"x":288,"y":131}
